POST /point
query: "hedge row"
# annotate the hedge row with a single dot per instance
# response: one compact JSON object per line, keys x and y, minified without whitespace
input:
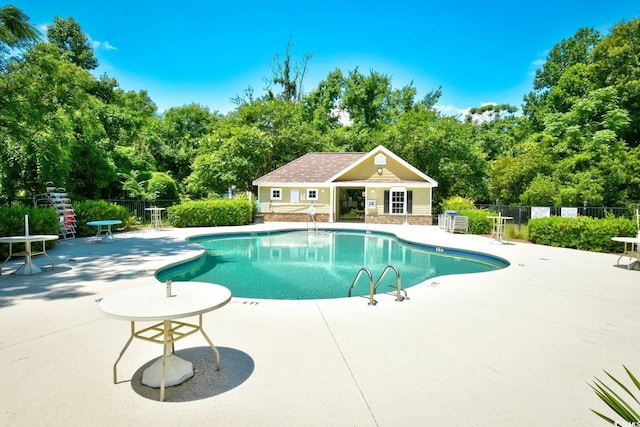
{"x":584,"y":233}
{"x":208,"y":213}
{"x":478,"y":221}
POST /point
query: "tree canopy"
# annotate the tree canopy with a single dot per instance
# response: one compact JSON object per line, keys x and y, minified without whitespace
{"x":577,"y":137}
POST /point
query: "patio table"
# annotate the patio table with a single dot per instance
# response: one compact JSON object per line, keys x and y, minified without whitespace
{"x":499,"y":223}
{"x":166,"y":304}
{"x":631,"y":250}
{"x":104,"y":226}
{"x":28,"y":267}
{"x":156,"y":216}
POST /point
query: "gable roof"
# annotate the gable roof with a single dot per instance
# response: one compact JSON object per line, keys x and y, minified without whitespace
{"x":381,"y":149}
{"x":312,"y":167}
{"x":323,"y":168}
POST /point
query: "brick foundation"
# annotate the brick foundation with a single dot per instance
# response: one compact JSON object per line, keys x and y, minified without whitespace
{"x":370,"y":219}
{"x":292,"y":217}
{"x":399,"y":219}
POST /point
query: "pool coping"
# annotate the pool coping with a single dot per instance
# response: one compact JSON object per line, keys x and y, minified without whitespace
{"x":163,"y":273}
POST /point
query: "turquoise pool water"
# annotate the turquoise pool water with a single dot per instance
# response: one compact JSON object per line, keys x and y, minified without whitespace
{"x":295,"y":265}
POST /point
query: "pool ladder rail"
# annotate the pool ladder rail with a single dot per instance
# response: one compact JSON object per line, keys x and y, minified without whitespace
{"x":374,"y":287}
{"x":311,"y":215}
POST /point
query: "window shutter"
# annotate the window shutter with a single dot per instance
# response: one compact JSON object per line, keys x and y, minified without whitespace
{"x":386,"y":201}
{"x":409,"y":201}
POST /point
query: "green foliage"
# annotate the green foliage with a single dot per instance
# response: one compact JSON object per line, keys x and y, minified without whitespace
{"x":99,"y":210}
{"x":41,"y":221}
{"x":581,"y":233}
{"x":620,"y":405}
{"x":208,"y":213}
{"x":478,"y":221}
{"x":162,"y":186}
{"x":517,"y":231}
{"x":15,"y":32}
{"x":73,"y":44}
{"x":457,"y":203}
{"x":579,"y":138}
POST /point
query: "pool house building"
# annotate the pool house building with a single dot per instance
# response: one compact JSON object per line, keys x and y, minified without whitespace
{"x":374,"y":187}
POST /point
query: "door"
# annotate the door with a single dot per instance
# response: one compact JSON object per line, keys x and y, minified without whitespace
{"x":351,"y":204}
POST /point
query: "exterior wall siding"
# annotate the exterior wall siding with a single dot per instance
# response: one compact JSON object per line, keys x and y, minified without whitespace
{"x":369,"y":219}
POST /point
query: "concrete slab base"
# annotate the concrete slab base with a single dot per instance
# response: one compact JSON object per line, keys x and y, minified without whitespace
{"x":177,"y":371}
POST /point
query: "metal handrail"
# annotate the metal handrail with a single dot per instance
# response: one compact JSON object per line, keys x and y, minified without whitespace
{"x":313,"y":219}
{"x":398,"y":282}
{"x":372,"y":289}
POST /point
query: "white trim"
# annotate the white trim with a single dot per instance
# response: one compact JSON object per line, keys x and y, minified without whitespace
{"x":309,"y":196}
{"x":402,"y":190}
{"x":376,"y":151}
{"x":271,"y":194}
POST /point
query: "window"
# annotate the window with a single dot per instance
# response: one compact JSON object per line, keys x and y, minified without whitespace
{"x":394,"y":201}
{"x":397,"y":202}
{"x":276,"y":194}
{"x":312,"y":194}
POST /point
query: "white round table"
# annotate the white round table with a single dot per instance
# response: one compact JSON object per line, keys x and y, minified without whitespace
{"x":108,"y":235}
{"x":631,"y":249}
{"x":156,"y":216}
{"x":499,"y":223}
{"x":28,"y":267}
{"x":151,"y":303}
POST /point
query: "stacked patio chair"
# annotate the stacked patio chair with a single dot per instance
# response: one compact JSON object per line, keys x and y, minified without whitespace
{"x":58,"y":199}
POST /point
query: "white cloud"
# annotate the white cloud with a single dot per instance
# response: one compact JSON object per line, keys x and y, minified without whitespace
{"x":98,"y":45}
{"x":451,"y":110}
{"x":537,"y":63}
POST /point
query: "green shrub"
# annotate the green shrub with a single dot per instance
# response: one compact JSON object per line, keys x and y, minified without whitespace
{"x":457,"y":203}
{"x":41,"y":221}
{"x":207,"y":213}
{"x":581,"y":233}
{"x":99,"y":210}
{"x":162,"y":186}
{"x":478,"y":221}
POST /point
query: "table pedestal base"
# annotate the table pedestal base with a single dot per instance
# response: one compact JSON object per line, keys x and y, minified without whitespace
{"x":176,"y":371}
{"x":28,"y":268}
{"x":106,"y":239}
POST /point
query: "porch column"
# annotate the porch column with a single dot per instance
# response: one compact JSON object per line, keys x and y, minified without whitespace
{"x":331,"y":202}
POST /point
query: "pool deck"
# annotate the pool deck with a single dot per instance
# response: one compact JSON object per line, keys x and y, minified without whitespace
{"x":514,"y":347}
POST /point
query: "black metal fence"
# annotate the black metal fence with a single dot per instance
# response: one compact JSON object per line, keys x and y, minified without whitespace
{"x":137,"y":208}
{"x":522,"y":214}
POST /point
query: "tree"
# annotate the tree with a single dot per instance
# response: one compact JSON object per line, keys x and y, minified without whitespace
{"x":15,"y":32}
{"x":290,"y":79}
{"x":510,"y":175}
{"x":52,"y":131}
{"x":371,"y":101}
{"x":495,"y":127}
{"x":322,"y":104}
{"x":72,"y":43}
{"x":616,"y":63}
{"x":442,"y":148}
{"x":565,"y":54}
{"x":179,"y":135}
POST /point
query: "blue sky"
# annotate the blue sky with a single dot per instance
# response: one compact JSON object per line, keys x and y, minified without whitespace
{"x":207,"y":52}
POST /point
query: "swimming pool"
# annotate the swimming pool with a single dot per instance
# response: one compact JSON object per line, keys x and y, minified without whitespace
{"x":322,"y":264}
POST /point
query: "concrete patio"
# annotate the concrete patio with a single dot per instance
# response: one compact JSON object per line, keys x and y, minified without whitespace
{"x":515,"y":347}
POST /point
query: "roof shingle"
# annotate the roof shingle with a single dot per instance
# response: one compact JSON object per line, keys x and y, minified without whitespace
{"x":312,"y":167}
